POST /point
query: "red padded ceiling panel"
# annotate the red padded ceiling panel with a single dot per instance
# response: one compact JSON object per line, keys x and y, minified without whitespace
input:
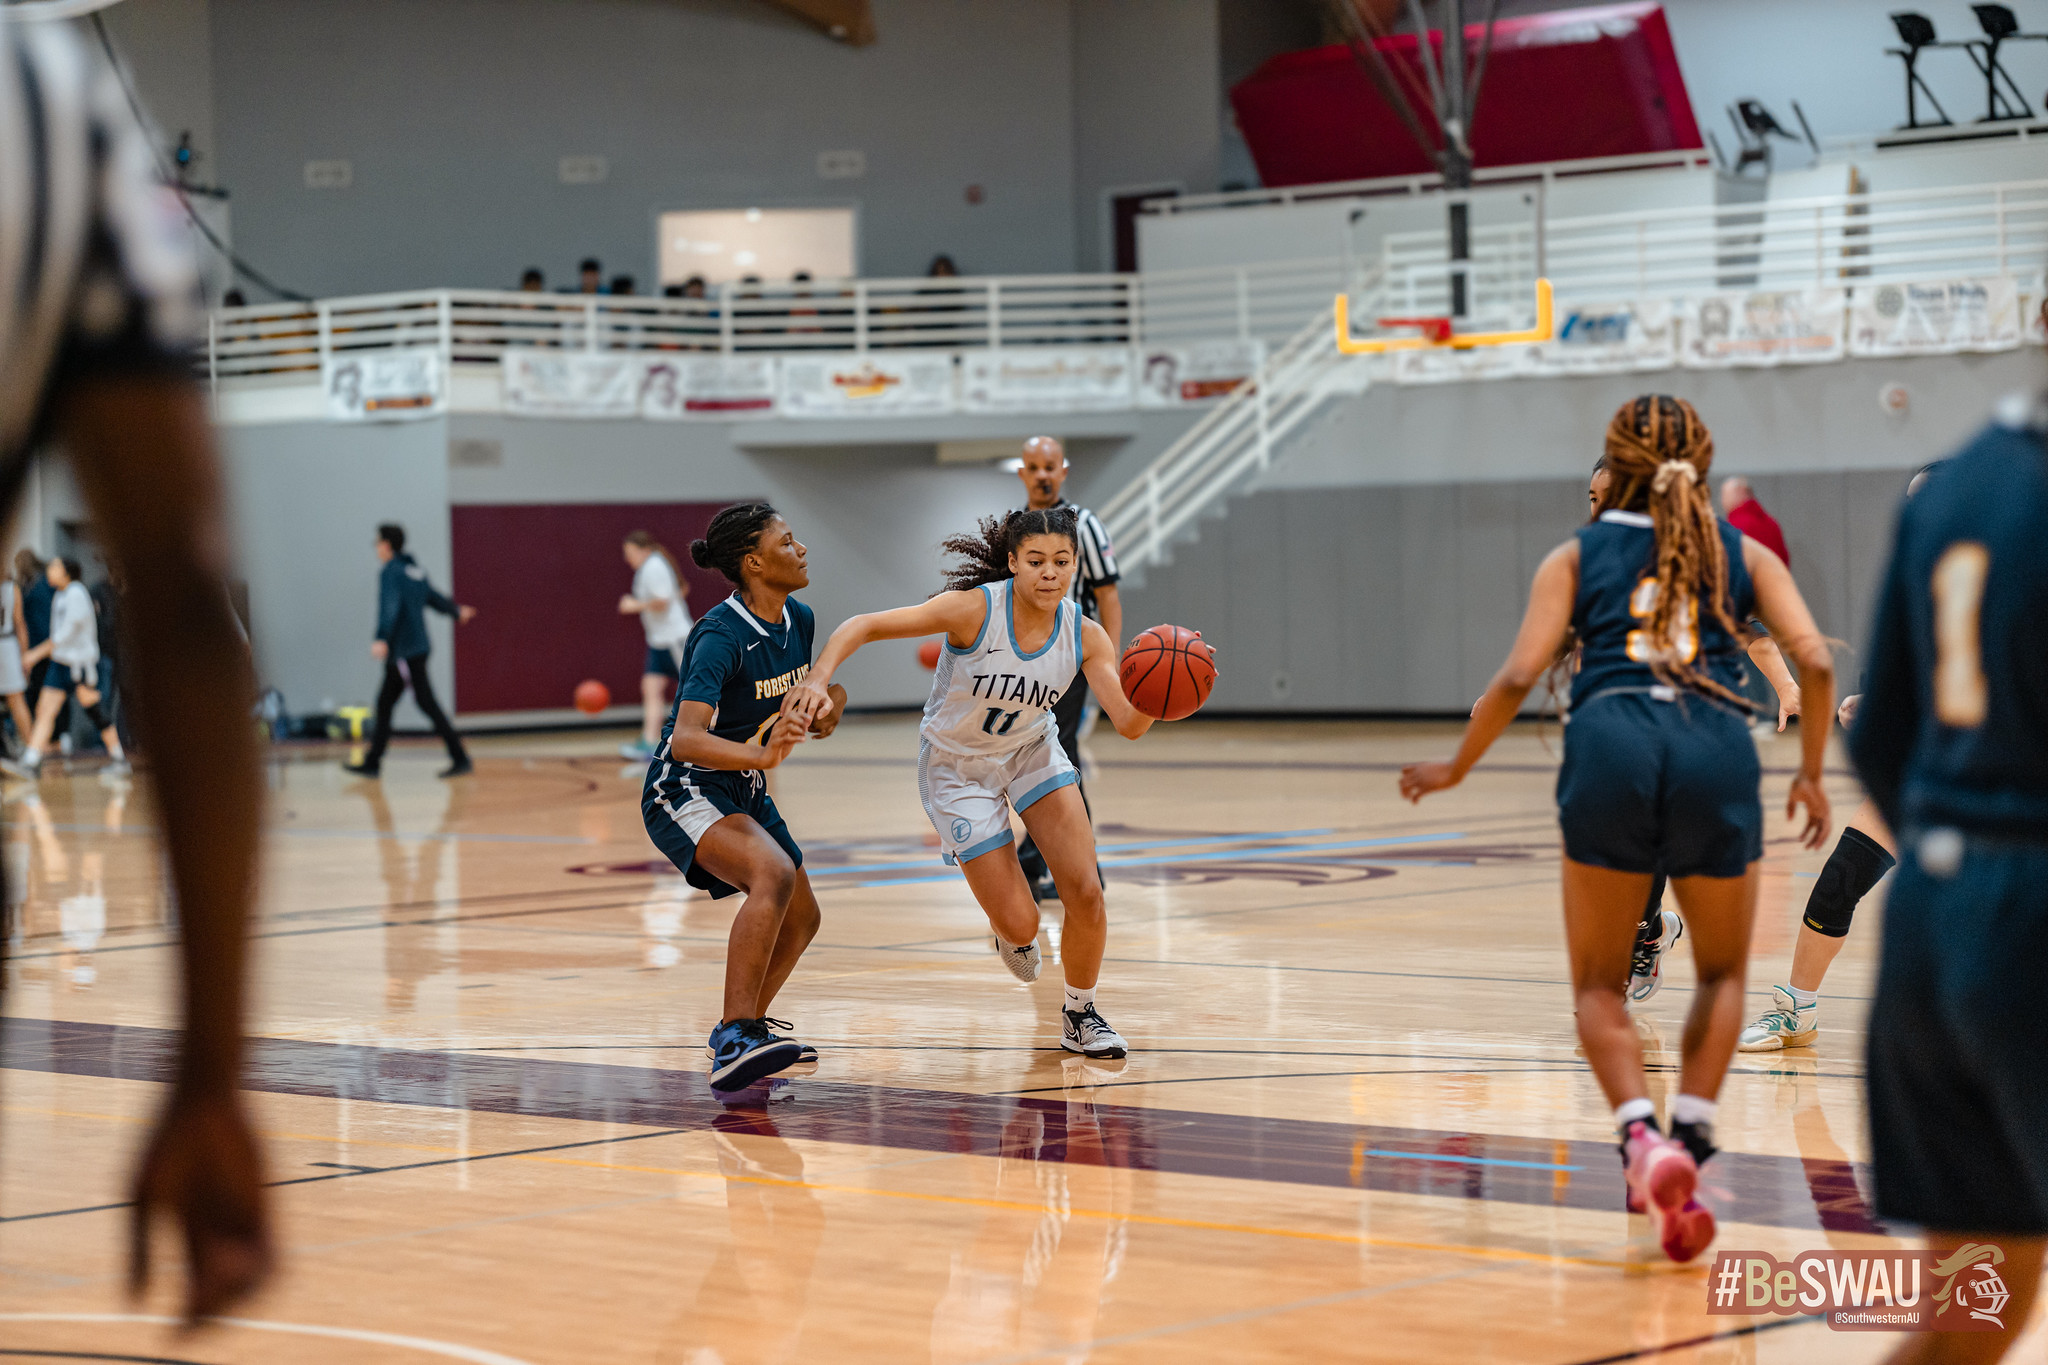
{"x":1561,"y":86}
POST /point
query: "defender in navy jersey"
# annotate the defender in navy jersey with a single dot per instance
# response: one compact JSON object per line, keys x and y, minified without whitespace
{"x":1951,"y":740}
{"x":1016,"y":647}
{"x":1660,"y":773}
{"x":706,"y":802}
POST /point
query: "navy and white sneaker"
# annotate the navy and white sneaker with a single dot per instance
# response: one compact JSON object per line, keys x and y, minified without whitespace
{"x":743,"y":1051}
{"x":806,"y":1055}
{"x":1646,"y":964}
{"x":1088,"y":1033}
{"x":1023,"y":962}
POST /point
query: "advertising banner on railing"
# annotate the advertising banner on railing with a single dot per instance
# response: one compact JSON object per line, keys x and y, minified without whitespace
{"x":1610,"y":338}
{"x":1175,"y":376}
{"x":1767,"y":327}
{"x":1935,"y":317}
{"x":571,"y":383}
{"x":709,"y":387}
{"x":383,"y":386}
{"x":1046,"y":379}
{"x":859,"y":385}
{"x":1442,"y":365}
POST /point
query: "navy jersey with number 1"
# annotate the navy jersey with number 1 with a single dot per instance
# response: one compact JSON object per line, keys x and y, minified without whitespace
{"x":1952,"y":742}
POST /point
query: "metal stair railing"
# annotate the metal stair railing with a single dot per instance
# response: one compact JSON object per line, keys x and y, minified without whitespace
{"x":1235,"y":441}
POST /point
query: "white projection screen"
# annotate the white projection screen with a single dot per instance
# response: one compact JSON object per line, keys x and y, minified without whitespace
{"x":728,"y":244}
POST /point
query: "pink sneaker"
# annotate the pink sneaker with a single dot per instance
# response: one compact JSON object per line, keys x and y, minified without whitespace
{"x":1661,"y":1182}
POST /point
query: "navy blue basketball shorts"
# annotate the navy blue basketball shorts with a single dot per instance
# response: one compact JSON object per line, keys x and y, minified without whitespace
{"x":1660,"y":786}
{"x":1957,"y":1044}
{"x":681,"y":812}
{"x":664,"y":662}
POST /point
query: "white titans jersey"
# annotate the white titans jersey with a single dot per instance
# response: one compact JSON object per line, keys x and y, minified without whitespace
{"x":992,"y":698}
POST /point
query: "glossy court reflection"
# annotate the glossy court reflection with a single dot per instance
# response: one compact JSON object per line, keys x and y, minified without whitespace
{"x":1353,"y":1126}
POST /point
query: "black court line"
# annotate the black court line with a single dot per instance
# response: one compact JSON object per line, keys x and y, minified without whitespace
{"x":1647,"y":1352}
{"x":1776,"y":1191}
{"x":101,"y":1355}
{"x":1550,"y":1069}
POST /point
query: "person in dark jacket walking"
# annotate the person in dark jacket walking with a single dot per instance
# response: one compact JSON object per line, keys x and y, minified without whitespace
{"x":403,"y":595}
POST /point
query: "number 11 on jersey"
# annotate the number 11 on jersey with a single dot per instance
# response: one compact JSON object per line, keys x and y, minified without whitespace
{"x":996,"y":713}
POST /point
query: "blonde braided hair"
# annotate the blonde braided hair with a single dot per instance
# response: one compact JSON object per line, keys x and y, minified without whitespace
{"x":1657,"y":458}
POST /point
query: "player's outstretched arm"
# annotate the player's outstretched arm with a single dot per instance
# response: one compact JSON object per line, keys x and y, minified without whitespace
{"x":1770,"y":661}
{"x":1098,"y":665}
{"x":145,"y":461}
{"x":1791,"y":624}
{"x":1544,"y":625}
{"x":956,"y":615}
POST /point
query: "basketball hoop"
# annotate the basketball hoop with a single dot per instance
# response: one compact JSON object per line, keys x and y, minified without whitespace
{"x":1436,"y":332}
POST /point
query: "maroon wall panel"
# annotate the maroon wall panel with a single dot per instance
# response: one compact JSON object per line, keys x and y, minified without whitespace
{"x":546,"y":582}
{"x":1559,"y":87}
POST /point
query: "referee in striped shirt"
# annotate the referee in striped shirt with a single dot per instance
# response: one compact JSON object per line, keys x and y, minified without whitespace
{"x":1044,"y":473}
{"x":99,"y":312}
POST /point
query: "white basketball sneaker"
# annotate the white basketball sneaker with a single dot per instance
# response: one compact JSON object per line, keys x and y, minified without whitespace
{"x":1023,"y":962}
{"x":1088,"y":1033}
{"x":1786,"y":1024}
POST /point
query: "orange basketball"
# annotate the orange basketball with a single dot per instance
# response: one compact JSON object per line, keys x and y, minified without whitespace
{"x":928,"y":653}
{"x":592,"y":696}
{"x":1168,"y":671}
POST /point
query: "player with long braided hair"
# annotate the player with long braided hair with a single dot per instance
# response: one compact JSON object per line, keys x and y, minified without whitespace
{"x":1660,"y":773}
{"x":1014,"y":643}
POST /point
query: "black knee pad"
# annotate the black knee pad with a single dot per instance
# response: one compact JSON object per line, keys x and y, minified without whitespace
{"x":1852,"y":869}
{"x":101,"y":717}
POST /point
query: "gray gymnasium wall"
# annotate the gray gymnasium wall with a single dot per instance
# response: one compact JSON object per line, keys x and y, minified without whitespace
{"x":306,"y":501}
{"x":454,"y":113}
{"x":1383,"y":564}
{"x":308,"y":496}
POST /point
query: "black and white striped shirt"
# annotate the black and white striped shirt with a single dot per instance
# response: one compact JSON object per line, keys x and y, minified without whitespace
{"x":96,"y":269}
{"x":1098,"y":559}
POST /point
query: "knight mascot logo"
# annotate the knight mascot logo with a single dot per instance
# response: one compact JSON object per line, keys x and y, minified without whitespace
{"x":1971,"y":1282}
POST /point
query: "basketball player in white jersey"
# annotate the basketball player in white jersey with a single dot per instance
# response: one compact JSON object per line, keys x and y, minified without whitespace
{"x":1014,"y":643}
{"x":13,"y":645}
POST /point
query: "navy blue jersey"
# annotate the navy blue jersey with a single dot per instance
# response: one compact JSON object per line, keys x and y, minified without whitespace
{"x":1953,"y":729}
{"x":1617,"y":589}
{"x":741,"y":666}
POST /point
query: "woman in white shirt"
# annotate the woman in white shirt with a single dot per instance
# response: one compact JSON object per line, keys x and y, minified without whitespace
{"x":657,"y":599}
{"x":13,"y":646}
{"x":73,"y":650}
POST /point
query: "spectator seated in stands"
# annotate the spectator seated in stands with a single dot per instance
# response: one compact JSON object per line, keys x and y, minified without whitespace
{"x":533,"y":282}
{"x":590,"y":276}
{"x":622,"y":286}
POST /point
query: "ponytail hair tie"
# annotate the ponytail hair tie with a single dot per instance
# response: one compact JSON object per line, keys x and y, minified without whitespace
{"x":1671,"y":470}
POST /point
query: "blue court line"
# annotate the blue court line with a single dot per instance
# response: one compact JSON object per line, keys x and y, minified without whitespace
{"x":1138,"y":843}
{"x":1475,"y":1160}
{"x":1285,"y":856}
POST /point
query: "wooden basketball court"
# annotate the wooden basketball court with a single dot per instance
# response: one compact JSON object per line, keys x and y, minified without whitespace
{"x":1353,"y":1126}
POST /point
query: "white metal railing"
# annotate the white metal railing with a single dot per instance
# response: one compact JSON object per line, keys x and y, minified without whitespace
{"x":1263,"y":302}
{"x":1838,"y":240}
{"x":1427,"y":182}
{"x":1234,"y":441}
{"x":1832,"y":240}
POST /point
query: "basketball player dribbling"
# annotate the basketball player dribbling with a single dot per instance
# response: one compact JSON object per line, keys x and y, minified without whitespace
{"x":1660,"y":772}
{"x":706,"y":802}
{"x":1014,"y":643}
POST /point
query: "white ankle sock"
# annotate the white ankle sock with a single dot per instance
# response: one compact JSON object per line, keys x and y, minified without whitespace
{"x":1628,"y":1111}
{"x":1803,"y":999}
{"x":32,"y":757}
{"x":1692,"y":1109}
{"x":1080,"y":998}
